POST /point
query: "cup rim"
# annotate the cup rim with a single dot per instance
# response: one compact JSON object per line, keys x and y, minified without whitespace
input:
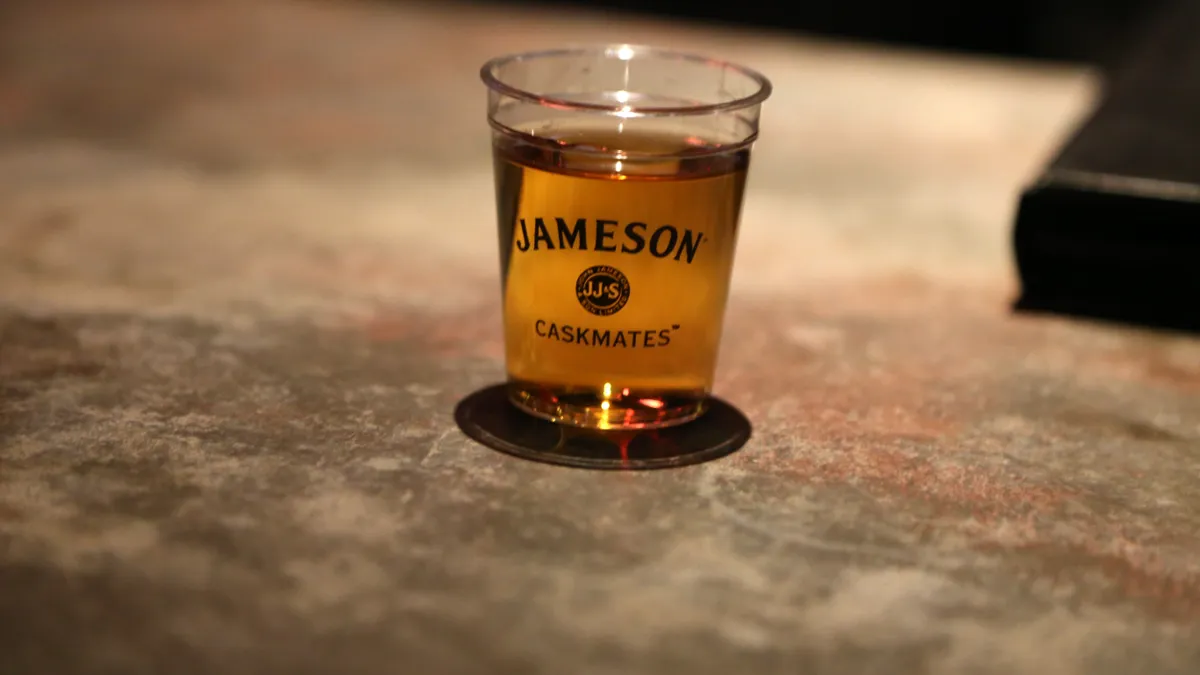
{"x":633,"y":51}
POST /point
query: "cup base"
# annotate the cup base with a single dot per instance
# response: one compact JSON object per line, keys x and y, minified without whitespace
{"x":489,"y":417}
{"x":611,"y":409}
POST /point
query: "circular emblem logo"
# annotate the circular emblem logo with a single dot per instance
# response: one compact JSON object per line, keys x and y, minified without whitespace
{"x":602,"y":290}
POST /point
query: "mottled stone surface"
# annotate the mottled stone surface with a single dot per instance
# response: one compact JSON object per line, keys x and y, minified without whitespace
{"x":247,"y":268}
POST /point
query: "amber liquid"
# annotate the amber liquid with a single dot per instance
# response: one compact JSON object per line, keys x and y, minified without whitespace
{"x":663,"y":212}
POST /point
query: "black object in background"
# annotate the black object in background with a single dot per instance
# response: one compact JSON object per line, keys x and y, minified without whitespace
{"x":1111,"y":230}
{"x":1093,"y":31}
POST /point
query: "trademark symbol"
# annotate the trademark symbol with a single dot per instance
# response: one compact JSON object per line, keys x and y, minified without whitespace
{"x":674,"y":326}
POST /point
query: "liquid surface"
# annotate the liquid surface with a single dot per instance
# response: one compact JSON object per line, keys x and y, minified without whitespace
{"x":616,"y":253}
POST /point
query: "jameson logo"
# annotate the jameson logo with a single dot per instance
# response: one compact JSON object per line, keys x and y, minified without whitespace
{"x":583,"y":234}
{"x":602,"y":290}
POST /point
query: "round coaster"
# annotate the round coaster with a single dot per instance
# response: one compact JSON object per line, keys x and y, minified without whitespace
{"x":488,"y":417}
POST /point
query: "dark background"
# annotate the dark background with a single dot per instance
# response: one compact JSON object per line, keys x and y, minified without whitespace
{"x":1095,"y":31}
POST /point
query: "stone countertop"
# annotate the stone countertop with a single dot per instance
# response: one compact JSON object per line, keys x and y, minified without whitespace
{"x":247,"y":267}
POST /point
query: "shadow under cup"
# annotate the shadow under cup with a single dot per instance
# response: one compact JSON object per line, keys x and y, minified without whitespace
{"x":619,"y":177}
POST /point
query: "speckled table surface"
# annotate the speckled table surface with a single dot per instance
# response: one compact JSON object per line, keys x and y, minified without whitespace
{"x":247,"y":267}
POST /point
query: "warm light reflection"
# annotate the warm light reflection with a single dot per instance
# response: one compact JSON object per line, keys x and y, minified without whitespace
{"x":608,"y":385}
{"x":651,"y":403}
{"x":625,"y":52}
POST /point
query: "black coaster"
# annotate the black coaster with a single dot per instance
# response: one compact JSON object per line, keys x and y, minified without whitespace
{"x":488,"y":417}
